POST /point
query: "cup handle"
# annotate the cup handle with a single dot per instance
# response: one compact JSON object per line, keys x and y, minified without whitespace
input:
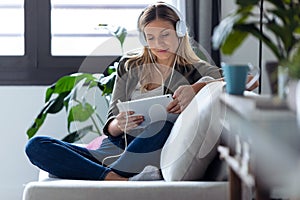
{"x":255,"y":72}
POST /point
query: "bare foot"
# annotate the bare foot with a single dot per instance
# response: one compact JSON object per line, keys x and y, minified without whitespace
{"x":112,"y":176}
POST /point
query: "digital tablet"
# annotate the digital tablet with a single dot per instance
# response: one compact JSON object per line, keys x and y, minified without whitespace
{"x":152,"y":108}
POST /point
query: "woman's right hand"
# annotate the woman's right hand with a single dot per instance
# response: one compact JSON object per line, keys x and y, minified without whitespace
{"x":126,"y":121}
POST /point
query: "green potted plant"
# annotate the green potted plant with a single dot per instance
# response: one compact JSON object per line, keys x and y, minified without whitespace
{"x":70,"y":92}
{"x":65,"y":94}
{"x":280,"y":18}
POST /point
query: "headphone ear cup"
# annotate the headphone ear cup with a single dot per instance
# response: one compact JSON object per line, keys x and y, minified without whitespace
{"x":142,"y":39}
{"x":180,"y":28}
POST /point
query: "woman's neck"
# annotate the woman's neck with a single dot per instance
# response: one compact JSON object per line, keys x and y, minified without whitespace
{"x":166,"y":62}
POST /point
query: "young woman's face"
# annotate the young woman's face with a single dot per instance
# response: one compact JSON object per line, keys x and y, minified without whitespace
{"x":162,"y":40}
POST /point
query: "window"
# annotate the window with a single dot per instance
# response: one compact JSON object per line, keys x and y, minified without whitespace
{"x":44,"y":40}
{"x":12,"y":31}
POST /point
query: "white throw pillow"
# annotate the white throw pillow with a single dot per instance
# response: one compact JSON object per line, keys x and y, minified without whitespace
{"x":192,"y":143}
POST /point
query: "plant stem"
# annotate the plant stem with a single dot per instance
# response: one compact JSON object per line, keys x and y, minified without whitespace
{"x":280,"y":47}
{"x":77,"y":101}
{"x":96,"y":126}
{"x":122,"y":49}
{"x":99,"y":118}
{"x":279,"y":44}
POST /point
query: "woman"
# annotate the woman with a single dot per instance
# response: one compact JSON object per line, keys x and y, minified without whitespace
{"x":167,"y":64}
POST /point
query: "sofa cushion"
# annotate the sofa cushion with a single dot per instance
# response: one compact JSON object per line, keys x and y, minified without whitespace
{"x":193,"y":141}
{"x":62,"y":189}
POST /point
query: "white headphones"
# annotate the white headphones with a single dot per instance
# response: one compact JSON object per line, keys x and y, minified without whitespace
{"x":180,"y":24}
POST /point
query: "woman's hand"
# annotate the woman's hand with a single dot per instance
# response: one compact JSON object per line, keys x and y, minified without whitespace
{"x":127,"y":121}
{"x":120,"y":124}
{"x":182,"y":98}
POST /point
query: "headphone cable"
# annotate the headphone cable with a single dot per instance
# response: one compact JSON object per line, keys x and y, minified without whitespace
{"x":173,"y":67}
{"x":125,"y":139}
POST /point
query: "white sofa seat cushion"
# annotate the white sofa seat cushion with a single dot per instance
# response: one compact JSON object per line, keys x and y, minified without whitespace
{"x":60,"y":189}
{"x":64,"y":189}
{"x":193,"y":141}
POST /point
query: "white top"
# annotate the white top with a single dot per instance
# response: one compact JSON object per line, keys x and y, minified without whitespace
{"x":137,"y":94}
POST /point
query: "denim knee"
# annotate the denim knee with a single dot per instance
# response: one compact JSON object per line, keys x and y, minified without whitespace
{"x":34,"y":145}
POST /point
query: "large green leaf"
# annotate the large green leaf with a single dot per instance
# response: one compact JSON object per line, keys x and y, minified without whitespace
{"x":68,"y":99}
{"x":66,"y":91}
{"x":294,"y":17}
{"x":57,"y":104}
{"x":244,"y":3}
{"x":36,"y":125}
{"x":95,"y":81}
{"x":288,"y":2}
{"x":81,"y":112}
{"x":88,"y":78}
{"x":118,"y":31}
{"x":280,"y":17}
{"x":285,"y":35}
{"x":233,"y":41}
{"x":294,"y":64}
{"x":78,"y":134}
{"x":39,"y":120}
{"x":277,"y":3}
{"x":224,"y":29}
{"x":68,"y":83}
{"x":65,"y":84}
{"x":121,"y":34}
{"x":289,"y":17}
{"x":52,"y":106}
{"x":252,"y":29}
{"x":297,"y":30}
{"x":111,"y":69}
{"x":106,"y":84}
{"x":49,"y":92}
{"x":281,"y":14}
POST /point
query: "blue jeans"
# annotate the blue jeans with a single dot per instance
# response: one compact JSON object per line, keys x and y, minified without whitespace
{"x":69,"y":161}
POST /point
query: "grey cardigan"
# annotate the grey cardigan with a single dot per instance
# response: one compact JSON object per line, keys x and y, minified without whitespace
{"x":127,"y":80}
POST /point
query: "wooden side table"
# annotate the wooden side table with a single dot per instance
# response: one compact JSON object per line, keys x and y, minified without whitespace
{"x":261,"y":148}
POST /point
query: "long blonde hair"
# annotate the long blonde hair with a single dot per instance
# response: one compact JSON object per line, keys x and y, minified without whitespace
{"x":185,"y":53}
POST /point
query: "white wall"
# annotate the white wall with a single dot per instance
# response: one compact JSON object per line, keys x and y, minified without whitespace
{"x":19,"y":106}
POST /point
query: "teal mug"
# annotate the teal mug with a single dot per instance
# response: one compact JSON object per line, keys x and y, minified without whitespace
{"x":236,"y":77}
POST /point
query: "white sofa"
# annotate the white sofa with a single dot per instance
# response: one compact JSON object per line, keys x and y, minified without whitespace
{"x":189,"y":152}
{"x":58,"y":189}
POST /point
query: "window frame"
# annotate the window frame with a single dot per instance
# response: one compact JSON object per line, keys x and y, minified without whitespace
{"x":37,"y":66}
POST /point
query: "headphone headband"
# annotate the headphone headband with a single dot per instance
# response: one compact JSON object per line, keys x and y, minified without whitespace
{"x":180,"y":24}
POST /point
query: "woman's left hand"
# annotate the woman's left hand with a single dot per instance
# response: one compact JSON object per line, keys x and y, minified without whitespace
{"x":182,"y":98}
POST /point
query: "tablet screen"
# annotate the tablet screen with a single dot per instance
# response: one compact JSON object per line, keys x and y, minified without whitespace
{"x":152,"y":108}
